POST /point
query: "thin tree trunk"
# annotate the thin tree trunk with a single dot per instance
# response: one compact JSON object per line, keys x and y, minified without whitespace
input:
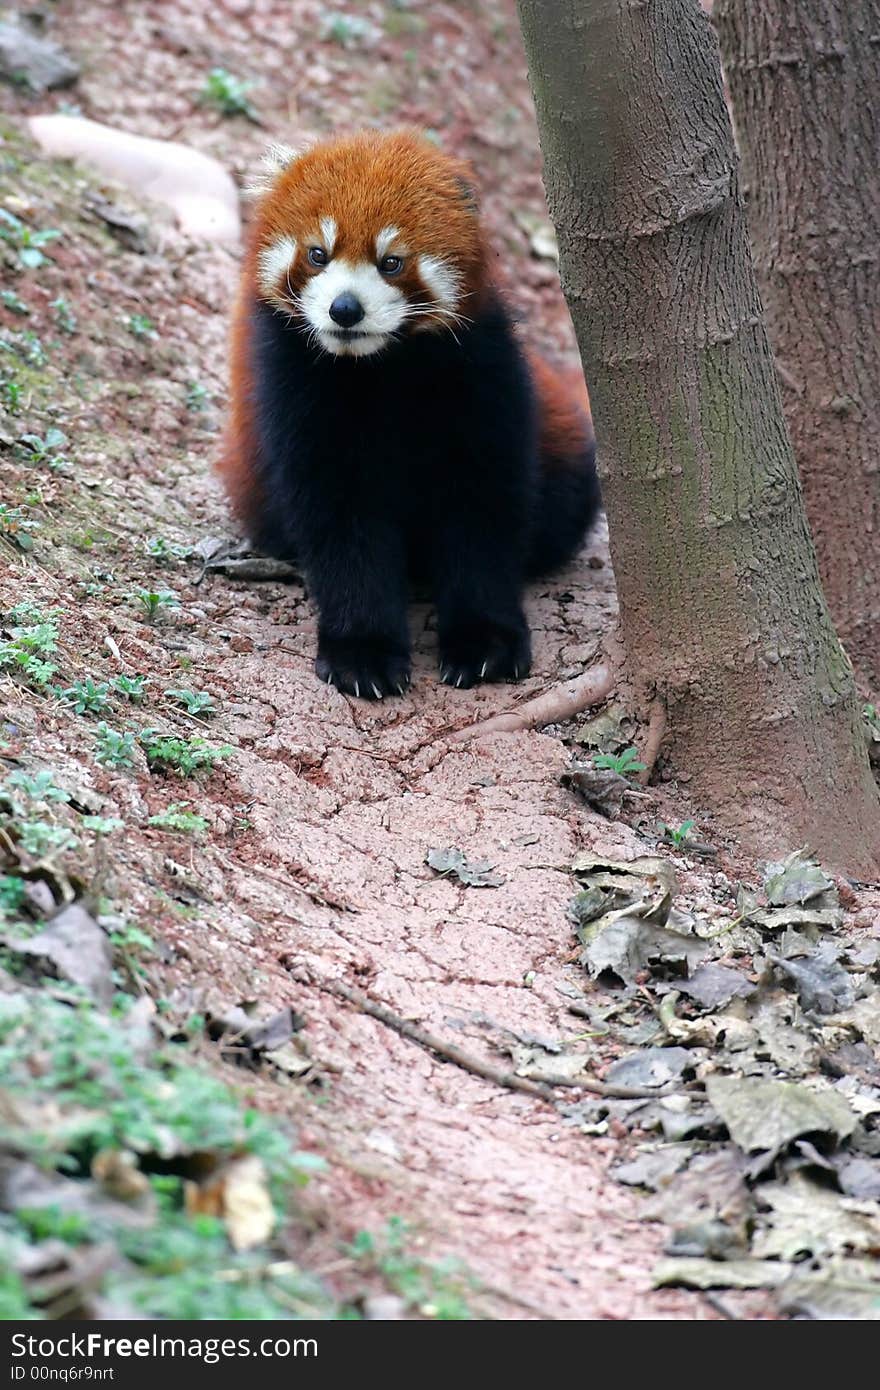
{"x":804,"y":80}
{"x":722,"y":614}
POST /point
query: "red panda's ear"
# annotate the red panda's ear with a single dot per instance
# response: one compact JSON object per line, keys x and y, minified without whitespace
{"x":276,"y":159}
{"x":469,"y":195}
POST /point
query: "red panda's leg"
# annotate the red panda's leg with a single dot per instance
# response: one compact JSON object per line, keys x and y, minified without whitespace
{"x":482,"y":631}
{"x":356,"y":571}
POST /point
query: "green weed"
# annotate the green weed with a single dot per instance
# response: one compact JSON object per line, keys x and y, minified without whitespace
{"x":87,"y":696}
{"x":184,"y":756}
{"x":177,"y":818}
{"x":436,"y":1291}
{"x":132,"y":688}
{"x":193,"y":701}
{"x":156,"y":601}
{"x":624,"y":764}
{"x":114,"y":748}
{"x":227,"y":93}
{"x":27,"y":242}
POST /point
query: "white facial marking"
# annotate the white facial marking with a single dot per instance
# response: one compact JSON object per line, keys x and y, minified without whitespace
{"x":328,"y":232}
{"x":384,"y":306}
{"x":385,"y":240}
{"x":440,"y":279}
{"x":274,"y":261}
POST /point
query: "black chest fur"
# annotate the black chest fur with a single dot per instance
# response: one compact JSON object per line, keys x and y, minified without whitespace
{"x":432,"y":421}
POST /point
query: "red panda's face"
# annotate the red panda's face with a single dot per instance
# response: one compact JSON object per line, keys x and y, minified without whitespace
{"x":368,"y":238}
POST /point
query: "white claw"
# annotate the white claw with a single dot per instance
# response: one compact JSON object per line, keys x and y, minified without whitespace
{"x":401,"y":689}
{"x":516,"y":672}
{"x":376,"y":691}
{"x":483,"y":669}
{"x":444,"y":676}
{"x":459,"y":680}
{"x":357,"y":689}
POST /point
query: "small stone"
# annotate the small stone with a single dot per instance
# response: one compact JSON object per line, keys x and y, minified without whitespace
{"x":30,"y":60}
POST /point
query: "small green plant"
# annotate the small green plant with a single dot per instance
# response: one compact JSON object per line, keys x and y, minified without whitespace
{"x":132,"y":946}
{"x":132,"y":688}
{"x":12,"y":895}
{"x":184,"y":756}
{"x":197,"y":397}
{"x":25,"y":653}
{"x":16,"y":526}
{"x":27,"y":613}
{"x":41,"y":839}
{"x":11,"y":301}
{"x":87,"y":696}
{"x":25,"y":239}
{"x":141,"y":326}
{"x":114,"y":748}
{"x":871,"y":716}
{"x":10,"y":393}
{"x":158,"y":548}
{"x":34,"y":790}
{"x":156,"y":601}
{"x":176,"y":817}
{"x":436,"y":1291}
{"x":43,"y":448}
{"x":624,"y":764}
{"x":64,"y":315}
{"x":193,"y":701}
{"x":25,"y":345}
{"x":227,"y":93}
{"x":102,"y":825}
{"x":348,"y":30}
{"x":677,"y":836}
{"x":27,"y":802}
{"x":51,"y":1223}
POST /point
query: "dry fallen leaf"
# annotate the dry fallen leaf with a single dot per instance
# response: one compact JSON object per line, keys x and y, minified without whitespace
{"x":239,"y":1196}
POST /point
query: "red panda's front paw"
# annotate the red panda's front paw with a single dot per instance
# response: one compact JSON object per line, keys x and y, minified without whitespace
{"x":484,"y":652}
{"x":363,"y":666}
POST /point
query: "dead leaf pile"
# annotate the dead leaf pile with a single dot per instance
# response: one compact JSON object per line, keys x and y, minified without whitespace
{"x":766,"y":1162}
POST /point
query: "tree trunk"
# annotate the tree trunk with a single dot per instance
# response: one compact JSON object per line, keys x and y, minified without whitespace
{"x":804,"y":78}
{"x":721,"y":610}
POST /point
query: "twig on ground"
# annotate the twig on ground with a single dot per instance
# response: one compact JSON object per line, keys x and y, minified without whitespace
{"x":324,"y":897}
{"x":719,"y":1305}
{"x":558,"y":703}
{"x":449,"y":1052}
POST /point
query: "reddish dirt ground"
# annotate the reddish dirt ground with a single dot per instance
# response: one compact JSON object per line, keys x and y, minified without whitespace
{"x":321,"y":820}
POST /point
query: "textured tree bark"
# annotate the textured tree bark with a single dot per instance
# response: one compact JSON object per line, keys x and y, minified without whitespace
{"x":804,"y":81}
{"x":722,"y":614}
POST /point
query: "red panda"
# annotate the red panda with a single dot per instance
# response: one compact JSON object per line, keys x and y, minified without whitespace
{"x":384,"y":422}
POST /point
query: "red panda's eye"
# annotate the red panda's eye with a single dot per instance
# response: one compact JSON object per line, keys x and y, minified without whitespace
{"x":317,"y":255}
{"x":391,"y":265}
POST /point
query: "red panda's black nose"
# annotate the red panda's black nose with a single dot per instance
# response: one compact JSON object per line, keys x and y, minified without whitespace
{"x":346,"y":310}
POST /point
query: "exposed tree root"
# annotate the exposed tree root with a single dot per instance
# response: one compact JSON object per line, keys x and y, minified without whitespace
{"x":449,"y":1052}
{"x":653,"y":740}
{"x":561,"y":702}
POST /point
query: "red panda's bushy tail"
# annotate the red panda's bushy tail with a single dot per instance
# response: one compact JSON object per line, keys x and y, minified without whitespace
{"x":568,"y":497}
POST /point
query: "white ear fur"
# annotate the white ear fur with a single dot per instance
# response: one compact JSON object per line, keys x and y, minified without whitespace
{"x":276,"y":159}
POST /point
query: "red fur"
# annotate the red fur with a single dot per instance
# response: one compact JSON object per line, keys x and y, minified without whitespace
{"x":565,"y":421}
{"x":237,"y":462}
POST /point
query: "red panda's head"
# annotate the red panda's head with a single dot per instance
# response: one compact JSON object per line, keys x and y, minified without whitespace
{"x":366,"y":238}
